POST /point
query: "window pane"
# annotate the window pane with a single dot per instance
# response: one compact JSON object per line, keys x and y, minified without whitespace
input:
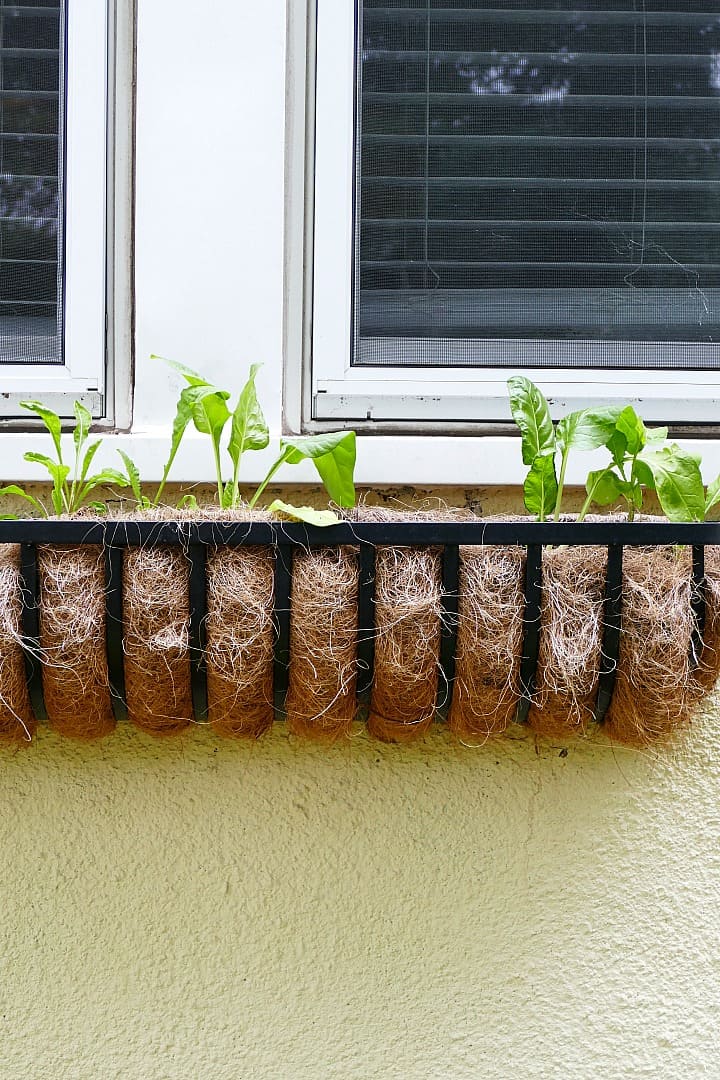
{"x":31,"y":261}
{"x":543,"y":170}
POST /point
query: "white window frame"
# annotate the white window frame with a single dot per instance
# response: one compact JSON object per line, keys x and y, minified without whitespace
{"x":398,"y":396}
{"x":84,"y":374}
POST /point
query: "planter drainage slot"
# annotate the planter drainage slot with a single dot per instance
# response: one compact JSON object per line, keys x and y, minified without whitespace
{"x":198,"y":537}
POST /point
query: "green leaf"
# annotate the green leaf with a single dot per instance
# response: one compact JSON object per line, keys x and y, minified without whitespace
{"x":58,"y":473}
{"x":13,"y":489}
{"x":51,"y":421}
{"x":532,"y":415}
{"x":643,"y":474}
{"x":82,"y":426}
{"x":209,"y":412}
{"x":631,"y":426}
{"x":187,"y":373}
{"x":655,"y":435}
{"x":712,"y":495}
{"x":249,"y":430}
{"x":99,"y":507}
{"x":87,"y":460}
{"x":617,"y":445}
{"x":333,"y":454}
{"x":304,"y":513}
{"x":188,"y":502}
{"x":586,"y":429}
{"x":187,"y":401}
{"x":604,"y":487}
{"x":678,"y":483}
{"x":540,"y":487}
{"x":133,"y":474}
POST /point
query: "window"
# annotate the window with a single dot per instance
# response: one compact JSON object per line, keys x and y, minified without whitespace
{"x":53,"y":191}
{"x":532,"y":185}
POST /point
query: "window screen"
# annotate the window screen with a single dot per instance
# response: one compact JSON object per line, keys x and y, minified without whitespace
{"x":31,"y":84}
{"x":545,"y":171}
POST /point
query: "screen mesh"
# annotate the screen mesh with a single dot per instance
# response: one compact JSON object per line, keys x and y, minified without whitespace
{"x":546,"y":172}
{"x":31,"y":78}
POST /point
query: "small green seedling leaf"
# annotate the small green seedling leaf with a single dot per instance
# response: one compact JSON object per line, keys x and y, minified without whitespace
{"x":249,"y":430}
{"x":13,"y":489}
{"x":304,"y":513}
{"x":678,"y":483}
{"x":532,"y":415}
{"x":51,"y":421}
{"x":604,"y":487}
{"x":133,"y":476}
{"x":190,"y":376}
{"x":632,"y":428}
{"x":82,"y":426}
{"x":333,"y":455}
{"x":188,"y":502}
{"x":540,"y":488}
{"x":58,"y":474}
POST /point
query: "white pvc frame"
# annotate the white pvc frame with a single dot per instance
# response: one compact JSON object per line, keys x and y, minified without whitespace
{"x":85,"y":182}
{"x":397,"y":396}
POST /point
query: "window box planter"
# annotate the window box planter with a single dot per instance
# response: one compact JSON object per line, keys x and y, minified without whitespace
{"x":475,"y":623}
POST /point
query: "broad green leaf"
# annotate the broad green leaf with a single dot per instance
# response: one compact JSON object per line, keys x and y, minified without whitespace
{"x":604,"y":487}
{"x":712,"y":495}
{"x":655,"y":435}
{"x":187,"y":401}
{"x":333,"y":454}
{"x":210,"y":413}
{"x":249,"y":430}
{"x":133,"y":476}
{"x":540,"y":487}
{"x":51,"y":421}
{"x":678,"y":483}
{"x":187,"y":373}
{"x":304,"y":513}
{"x":532,"y":415}
{"x":643,"y":474}
{"x":586,"y":429}
{"x":13,"y":489}
{"x":617,"y":445}
{"x":631,"y":426}
{"x":83,"y":420}
{"x":87,"y":460}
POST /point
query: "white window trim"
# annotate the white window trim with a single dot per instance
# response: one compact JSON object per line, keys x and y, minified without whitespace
{"x":340,"y":393}
{"x":96,"y":237}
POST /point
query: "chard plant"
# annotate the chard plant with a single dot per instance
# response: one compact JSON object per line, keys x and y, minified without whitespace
{"x":206,"y":407}
{"x":72,"y":485}
{"x":641,"y":460}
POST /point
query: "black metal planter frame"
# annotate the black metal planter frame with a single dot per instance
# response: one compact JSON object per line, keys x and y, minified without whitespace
{"x":196,"y":538}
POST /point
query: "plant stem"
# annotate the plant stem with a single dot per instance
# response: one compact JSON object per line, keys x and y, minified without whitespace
{"x":267,"y":480}
{"x":218,"y":470}
{"x":561,"y":482}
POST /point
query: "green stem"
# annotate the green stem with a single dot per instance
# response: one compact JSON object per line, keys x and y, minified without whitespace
{"x":218,"y":470}
{"x":587,"y":504}
{"x":267,"y":479}
{"x":561,"y":482}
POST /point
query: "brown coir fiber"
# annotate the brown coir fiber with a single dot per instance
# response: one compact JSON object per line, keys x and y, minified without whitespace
{"x":72,"y":640}
{"x":571,"y":628}
{"x":156,"y":605}
{"x":321,"y":699}
{"x":489,"y":641}
{"x":655,"y":688}
{"x":240,"y":640}
{"x":707,"y":672}
{"x":16,"y":720}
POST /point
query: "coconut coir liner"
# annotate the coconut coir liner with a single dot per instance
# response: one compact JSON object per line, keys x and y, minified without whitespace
{"x":17,"y":723}
{"x":321,"y":699}
{"x":240,"y":640}
{"x":72,"y":640}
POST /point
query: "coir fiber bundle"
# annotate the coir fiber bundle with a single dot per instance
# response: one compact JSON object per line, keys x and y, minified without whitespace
{"x":321,"y":699}
{"x":240,"y":640}
{"x":655,"y":687}
{"x":156,"y":615}
{"x":571,"y":629}
{"x":489,"y":641}
{"x":707,"y":671}
{"x":72,"y":640}
{"x":16,"y":720}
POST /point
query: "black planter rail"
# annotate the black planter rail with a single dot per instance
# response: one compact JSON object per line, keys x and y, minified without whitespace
{"x":196,"y":538}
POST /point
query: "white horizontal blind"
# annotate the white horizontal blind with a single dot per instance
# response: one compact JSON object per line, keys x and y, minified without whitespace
{"x":540,"y":171}
{"x":31,"y":200}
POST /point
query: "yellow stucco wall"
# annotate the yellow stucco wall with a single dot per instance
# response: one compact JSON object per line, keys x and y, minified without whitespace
{"x":198,"y":908}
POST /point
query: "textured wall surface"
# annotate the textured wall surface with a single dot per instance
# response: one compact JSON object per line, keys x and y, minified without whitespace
{"x":206,"y":909}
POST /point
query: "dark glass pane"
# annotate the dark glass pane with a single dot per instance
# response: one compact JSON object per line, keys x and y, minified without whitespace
{"x":31,"y":244}
{"x":546,"y":169}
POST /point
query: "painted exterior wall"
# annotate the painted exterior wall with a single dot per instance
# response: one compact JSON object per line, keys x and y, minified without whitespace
{"x":209,"y":909}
